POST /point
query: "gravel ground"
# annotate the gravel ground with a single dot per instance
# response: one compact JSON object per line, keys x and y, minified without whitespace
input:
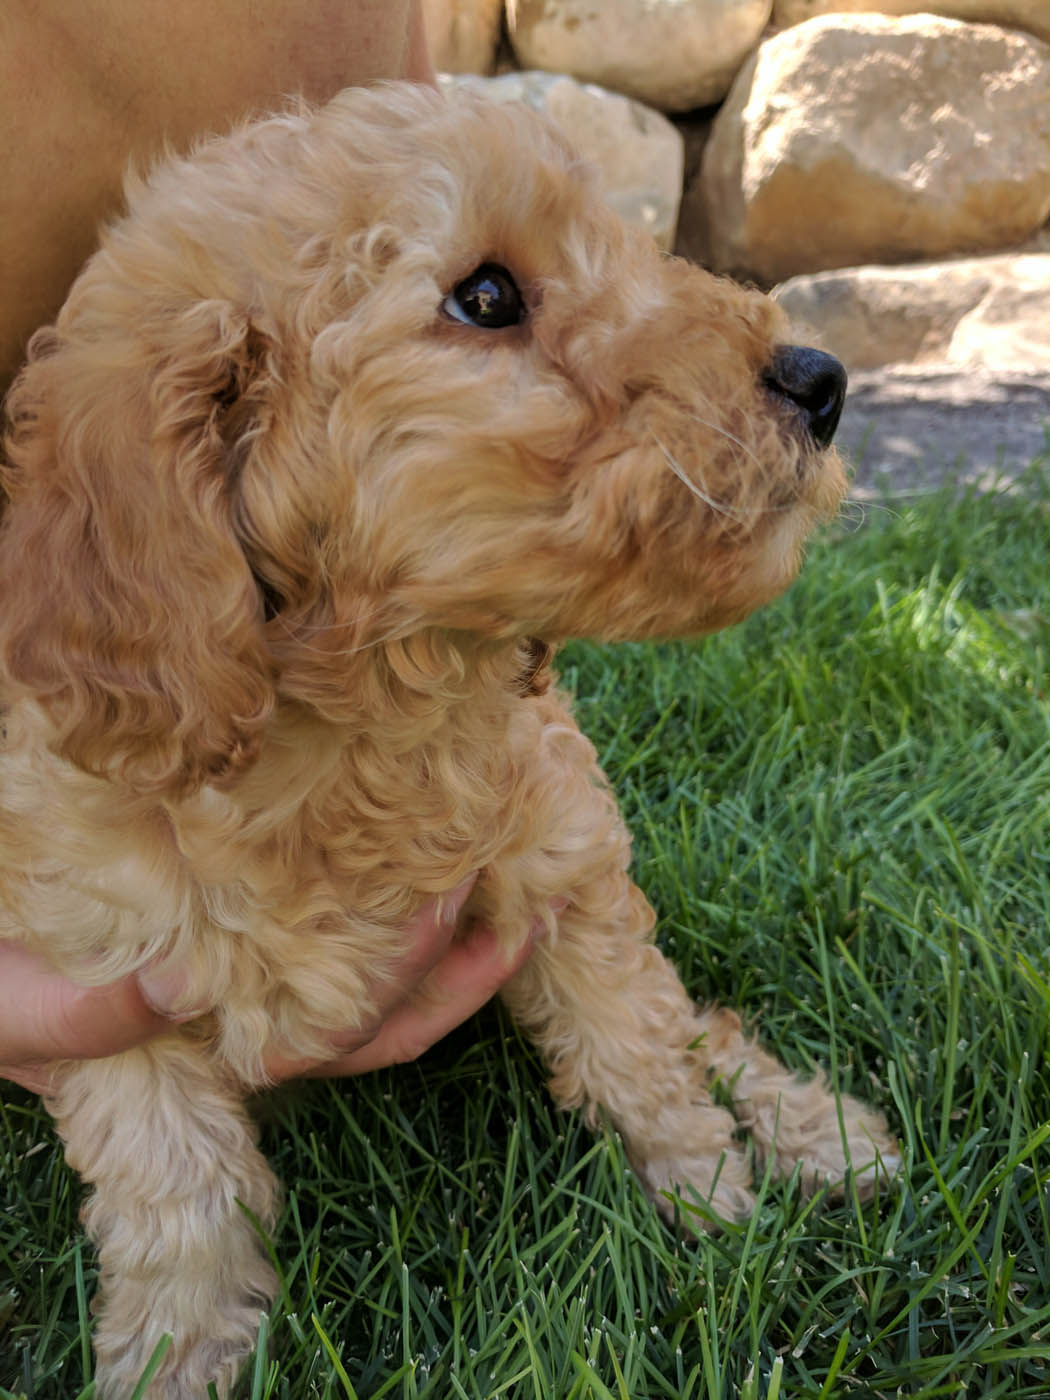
{"x":908,"y":429}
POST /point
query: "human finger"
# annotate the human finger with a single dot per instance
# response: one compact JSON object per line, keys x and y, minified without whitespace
{"x":463,"y":982}
{"x":45,"y":1017}
{"x":429,"y":936}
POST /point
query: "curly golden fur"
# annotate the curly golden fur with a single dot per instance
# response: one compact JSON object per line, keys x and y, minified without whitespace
{"x":281,"y":526}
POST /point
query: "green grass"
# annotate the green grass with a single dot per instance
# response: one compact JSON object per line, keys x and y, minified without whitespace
{"x":842,"y":813}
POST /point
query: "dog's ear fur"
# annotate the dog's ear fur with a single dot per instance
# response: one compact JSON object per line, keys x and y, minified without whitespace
{"x":129,"y":612}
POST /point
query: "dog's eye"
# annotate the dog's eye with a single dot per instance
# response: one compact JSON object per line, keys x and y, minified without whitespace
{"x":488,"y":298}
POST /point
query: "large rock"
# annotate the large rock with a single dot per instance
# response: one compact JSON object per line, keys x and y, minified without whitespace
{"x":637,"y":152}
{"x":1033,"y":15}
{"x":975,"y":312}
{"x":857,"y":139}
{"x":463,"y":34}
{"x":670,"y":54}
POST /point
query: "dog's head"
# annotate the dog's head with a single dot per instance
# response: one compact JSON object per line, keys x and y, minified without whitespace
{"x":385,"y":367}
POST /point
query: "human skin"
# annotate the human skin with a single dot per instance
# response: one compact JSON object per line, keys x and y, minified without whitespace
{"x":87,"y":89}
{"x":437,"y":984}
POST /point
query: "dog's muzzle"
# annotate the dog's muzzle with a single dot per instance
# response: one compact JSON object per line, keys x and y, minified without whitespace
{"x":815,"y":383}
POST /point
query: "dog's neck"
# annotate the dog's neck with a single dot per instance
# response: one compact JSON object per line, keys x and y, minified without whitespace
{"x":428,"y":720}
{"x":406,"y":685}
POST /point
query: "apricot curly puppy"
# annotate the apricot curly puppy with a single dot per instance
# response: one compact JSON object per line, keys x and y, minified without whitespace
{"x":353,"y":406}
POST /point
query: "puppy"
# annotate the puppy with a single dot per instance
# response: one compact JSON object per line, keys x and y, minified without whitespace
{"x":355,"y":415}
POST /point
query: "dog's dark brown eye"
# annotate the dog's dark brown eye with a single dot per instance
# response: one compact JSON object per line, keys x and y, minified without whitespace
{"x":488,"y":298}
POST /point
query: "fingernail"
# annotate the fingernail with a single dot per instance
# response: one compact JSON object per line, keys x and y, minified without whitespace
{"x":541,"y":926}
{"x":538,"y":930}
{"x":164,"y":991}
{"x":453,"y":902}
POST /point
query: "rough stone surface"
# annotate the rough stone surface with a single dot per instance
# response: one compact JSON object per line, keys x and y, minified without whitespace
{"x":859,"y":139}
{"x":463,"y":34}
{"x":671,"y":54}
{"x":637,"y":151}
{"x":992,"y":312}
{"x":1033,"y":15}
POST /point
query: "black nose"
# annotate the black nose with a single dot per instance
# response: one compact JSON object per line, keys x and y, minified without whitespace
{"x":813,"y":381}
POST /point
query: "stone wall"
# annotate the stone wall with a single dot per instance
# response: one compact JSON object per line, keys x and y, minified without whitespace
{"x":886,"y":161}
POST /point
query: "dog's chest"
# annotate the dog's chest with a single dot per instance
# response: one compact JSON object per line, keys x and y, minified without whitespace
{"x":385,"y":825}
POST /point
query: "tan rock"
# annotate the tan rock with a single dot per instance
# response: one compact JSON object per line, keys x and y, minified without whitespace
{"x":637,"y":151}
{"x":1033,"y":15}
{"x":463,"y":34}
{"x":670,"y":54}
{"x":1009,"y":326}
{"x":856,"y":139}
{"x":974,"y":312}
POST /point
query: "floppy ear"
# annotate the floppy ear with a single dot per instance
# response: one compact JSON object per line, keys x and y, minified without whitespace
{"x":129,"y":610}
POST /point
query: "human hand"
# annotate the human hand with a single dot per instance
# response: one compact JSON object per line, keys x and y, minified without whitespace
{"x":45,"y":1017}
{"x":436,"y":986}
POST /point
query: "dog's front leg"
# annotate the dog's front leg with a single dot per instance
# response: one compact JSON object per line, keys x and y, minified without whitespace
{"x":622,"y":1036}
{"x":167,"y":1146}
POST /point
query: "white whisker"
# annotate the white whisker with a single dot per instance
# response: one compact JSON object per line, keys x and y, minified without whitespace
{"x":855,"y":510}
{"x":721,"y":507}
{"x":701,"y":495}
{"x":730,"y":437}
{"x":393,"y":635}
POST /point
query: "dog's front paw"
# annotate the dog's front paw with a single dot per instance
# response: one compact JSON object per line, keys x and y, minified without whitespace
{"x":211,"y":1342}
{"x":795,"y":1122}
{"x":714,"y":1186}
{"x":849,"y":1137}
{"x":826,"y":1136}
